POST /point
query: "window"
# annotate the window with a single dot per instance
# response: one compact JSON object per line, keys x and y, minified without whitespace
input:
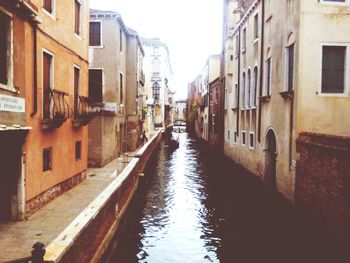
{"x":290,"y":68}
{"x":244,"y":39}
{"x":121,"y":88}
{"x":251,"y":140}
{"x":268,"y":77}
{"x":228,"y":135}
{"x":243,"y":138}
{"x":235,"y":137}
{"x":78,"y":150}
{"x":47,"y":159}
{"x":95,"y":84}
{"x":49,"y":6}
{"x":255,"y":86}
{"x":237,"y":45}
{"x":121,"y":39}
{"x":226,"y":98}
{"x":76,"y":89}
{"x":156,"y":92}
{"x":48,"y":68}
{"x":95,"y":37}
{"x":77,"y":6}
{"x":243,"y":90}
{"x":256,"y":26}
{"x":333,"y":69}
{"x":236,"y":95}
{"x":5,"y":51}
{"x":248,"y":90}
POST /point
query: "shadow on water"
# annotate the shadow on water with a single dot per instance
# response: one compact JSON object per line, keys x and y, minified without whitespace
{"x":197,"y":206}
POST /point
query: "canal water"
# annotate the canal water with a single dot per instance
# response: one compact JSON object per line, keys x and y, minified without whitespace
{"x":196,"y":206}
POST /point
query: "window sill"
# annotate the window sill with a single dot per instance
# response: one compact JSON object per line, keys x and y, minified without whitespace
{"x":9,"y":89}
{"x":77,"y":36}
{"x":256,"y":41}
{"x":52,"y":16}
{"x":339,"y":95}
{"x":329,"y":3}
{"x":244,"y":50}
{"x":266,"y":98}
{"x":234,"y":109}
{"x":95,"y":46}
{"x":287,"y":94}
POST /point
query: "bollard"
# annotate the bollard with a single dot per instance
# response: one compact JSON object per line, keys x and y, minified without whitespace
{"x":38,"y":252}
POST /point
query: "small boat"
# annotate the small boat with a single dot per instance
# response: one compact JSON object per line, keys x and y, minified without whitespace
{"x":173,"y":144}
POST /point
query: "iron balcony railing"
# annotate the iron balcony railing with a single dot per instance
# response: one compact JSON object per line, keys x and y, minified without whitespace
{"x":83,"y":112}
{"x":56,"y":109}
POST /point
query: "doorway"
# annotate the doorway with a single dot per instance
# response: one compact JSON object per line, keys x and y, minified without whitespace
{"x":270,"y":159}
{"x":10,"y":163}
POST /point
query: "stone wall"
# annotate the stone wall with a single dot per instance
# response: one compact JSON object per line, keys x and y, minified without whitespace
{"x":323,"y":177}
{"x":88,"y":236}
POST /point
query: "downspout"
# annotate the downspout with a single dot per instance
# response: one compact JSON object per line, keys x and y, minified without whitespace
{"x":261,"y":65}
{"x":35,"y":62}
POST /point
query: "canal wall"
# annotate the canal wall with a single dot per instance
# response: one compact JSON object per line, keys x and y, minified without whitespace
{"x":88,"y":236}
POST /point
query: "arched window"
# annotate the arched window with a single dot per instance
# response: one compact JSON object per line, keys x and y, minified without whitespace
{"x":255,"y":86}
{"x":243,"y":90}
{"x":248,"y":99}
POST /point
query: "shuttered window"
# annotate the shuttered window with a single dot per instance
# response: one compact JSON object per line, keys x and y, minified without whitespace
{"x":95,"y":85}
{"x":5,"y":43}
{"x":77,"y":18}
{"x":47,"y":82}
{"x":48,"y":6}
{"x":95,"y":34}
{"x":76,"y":89}
{"x":333,"y":69}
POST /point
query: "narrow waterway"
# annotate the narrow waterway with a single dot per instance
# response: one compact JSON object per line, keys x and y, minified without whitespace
{"x":197,"y":206}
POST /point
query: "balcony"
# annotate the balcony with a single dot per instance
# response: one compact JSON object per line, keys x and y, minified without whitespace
{"x":56,"y":109}
{"x":83,"y":112}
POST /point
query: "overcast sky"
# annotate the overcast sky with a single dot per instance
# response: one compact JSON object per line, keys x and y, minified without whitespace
{"x":191,"y":28}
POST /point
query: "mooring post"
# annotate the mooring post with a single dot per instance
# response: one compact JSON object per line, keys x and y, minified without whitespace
{"x":38,"y":252}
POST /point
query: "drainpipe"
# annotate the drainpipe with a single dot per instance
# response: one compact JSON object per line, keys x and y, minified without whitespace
{"x":35,"y":90}
{"x":261,"y":65}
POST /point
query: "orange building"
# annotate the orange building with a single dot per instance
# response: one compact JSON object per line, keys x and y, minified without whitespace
{"x":52,"y":77}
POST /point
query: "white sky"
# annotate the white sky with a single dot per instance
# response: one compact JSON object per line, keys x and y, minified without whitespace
{"x":191,"y":28}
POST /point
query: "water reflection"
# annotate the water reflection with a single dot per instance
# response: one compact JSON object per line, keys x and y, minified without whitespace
{"x":198,"y":207}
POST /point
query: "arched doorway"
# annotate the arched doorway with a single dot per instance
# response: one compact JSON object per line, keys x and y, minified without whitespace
{"x":270,"y":159}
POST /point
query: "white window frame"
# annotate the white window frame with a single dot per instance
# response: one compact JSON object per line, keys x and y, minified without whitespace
{"x":286,"y":67}
{"x":101,"y":34}
{"x":9,"y":87}
{"x":256,"y":38}
{"x":79,"y":88}
{"x":249,"y":88}
{"x":243,"y":89}
{"x":327,"y":2}
{"x":268,"y":91}
{"x":52,"y":74}
{"x":346,"y":70}
{"x":256,"y":86}
{"x":53,"y":14}
{"x":252,"y":147}
{"x":244,"y":133}
{"x":80,"y":18}
{"x":103,"y":80}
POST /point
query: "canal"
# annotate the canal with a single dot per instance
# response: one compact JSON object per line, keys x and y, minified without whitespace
{"x":196,"y":206}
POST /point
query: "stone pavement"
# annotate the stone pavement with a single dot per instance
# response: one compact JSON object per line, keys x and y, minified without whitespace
{"x":17,"y":238}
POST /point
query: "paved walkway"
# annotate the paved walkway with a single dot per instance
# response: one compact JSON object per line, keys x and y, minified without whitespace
{"x":17,"y":238}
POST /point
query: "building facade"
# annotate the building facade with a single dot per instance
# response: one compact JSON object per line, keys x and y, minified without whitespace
{"x":114,"y":48}
{"x":158,"y":83}
{"x":285,"y":97}
{"x":180,"y":110}
{"x":46,"y":90}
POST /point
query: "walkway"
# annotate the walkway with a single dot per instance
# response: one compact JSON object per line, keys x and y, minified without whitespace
{"x":17,"y":238}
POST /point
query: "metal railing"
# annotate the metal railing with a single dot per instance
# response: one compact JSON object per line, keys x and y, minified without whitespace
{"x":56,"y":106}
{"x":84,"y":108}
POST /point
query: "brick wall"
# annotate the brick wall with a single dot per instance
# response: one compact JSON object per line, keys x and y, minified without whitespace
{"x":323,"y":177}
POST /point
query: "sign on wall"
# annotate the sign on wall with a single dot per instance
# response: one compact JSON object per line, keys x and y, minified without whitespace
{"x":12,"y":104}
